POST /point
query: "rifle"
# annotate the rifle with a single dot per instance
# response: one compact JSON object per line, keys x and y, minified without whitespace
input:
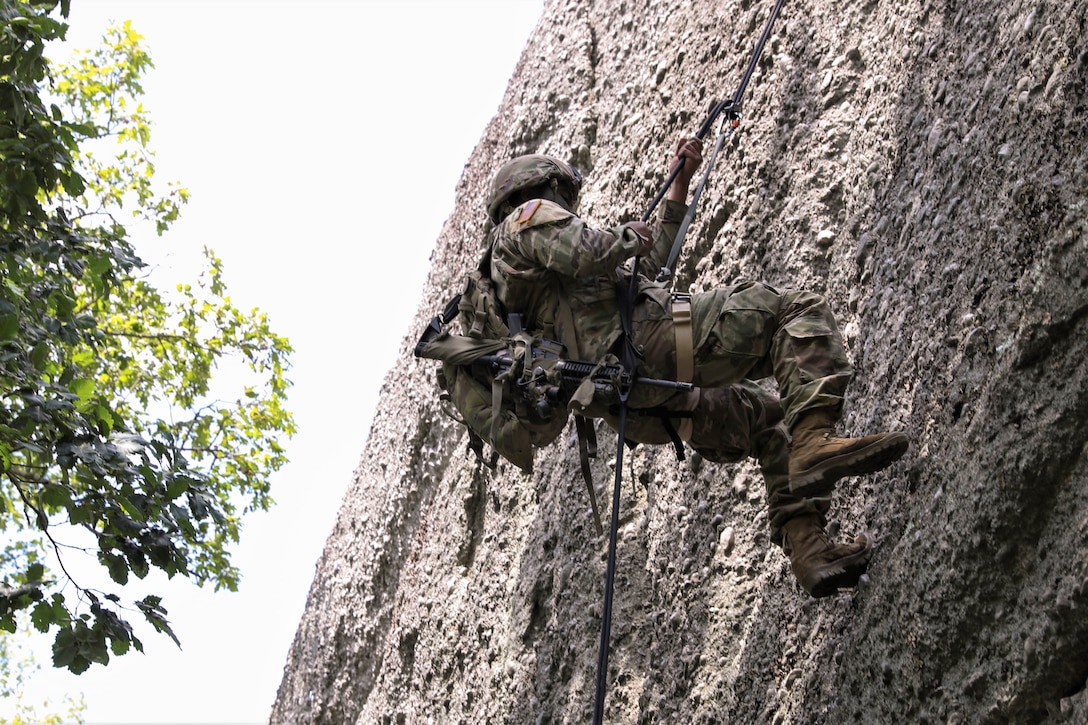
{"x":547,"y":379}
{"x":608,"y":380}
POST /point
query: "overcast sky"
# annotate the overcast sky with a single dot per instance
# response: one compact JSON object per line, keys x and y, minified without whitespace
{"x":321,"y":142}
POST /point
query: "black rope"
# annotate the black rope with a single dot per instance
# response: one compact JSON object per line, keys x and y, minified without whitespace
{"x":732,"y":105}
{"x":665,"y":272}
{"x":610,"y":574}
{"x":630,"y":363}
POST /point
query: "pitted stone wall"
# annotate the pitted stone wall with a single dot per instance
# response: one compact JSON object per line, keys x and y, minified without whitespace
{"x":923,"y":164}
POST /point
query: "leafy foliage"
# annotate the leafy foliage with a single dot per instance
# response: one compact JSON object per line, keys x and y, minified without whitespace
{"x":112,"y":428}
{"x":17,"y":667}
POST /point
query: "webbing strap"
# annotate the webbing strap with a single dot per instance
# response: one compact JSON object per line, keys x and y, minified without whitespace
{"x":674,"y":436}
{"x":587,"y":448}
{"x":496,"y":408}
{"x":587,"y":435}
{"x":685,"y":343}
{"x":677,"y":433}
{"x":566,"y":319}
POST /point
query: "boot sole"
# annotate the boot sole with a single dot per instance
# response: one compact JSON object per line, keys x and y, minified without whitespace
{"x":841,"y":574}
{"x":821,"y":478}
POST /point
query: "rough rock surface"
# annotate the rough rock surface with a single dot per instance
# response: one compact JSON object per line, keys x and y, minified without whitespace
{"x":922,"y":163}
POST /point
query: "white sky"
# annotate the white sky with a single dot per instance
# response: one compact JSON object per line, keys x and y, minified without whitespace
{"x":321,"y":141}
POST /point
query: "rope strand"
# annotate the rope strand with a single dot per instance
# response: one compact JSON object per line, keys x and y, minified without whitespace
{"x":630,"y":360}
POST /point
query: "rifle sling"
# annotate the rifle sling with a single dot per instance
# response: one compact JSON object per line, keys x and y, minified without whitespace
{"x":587,"y":435}
{"x":496,"y":407}
{"x":587,"y":448}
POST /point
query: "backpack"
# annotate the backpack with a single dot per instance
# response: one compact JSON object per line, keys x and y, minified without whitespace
{"x":502,"y":382}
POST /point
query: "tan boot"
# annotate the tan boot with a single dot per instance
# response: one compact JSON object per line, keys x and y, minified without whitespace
{"x":820,"y":566}
{"x":818,"y":458}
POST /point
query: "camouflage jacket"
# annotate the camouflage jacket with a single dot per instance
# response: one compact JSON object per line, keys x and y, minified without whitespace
{"x":541,"y":253}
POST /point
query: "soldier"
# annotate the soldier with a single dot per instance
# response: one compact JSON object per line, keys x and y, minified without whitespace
{"x":566,"y":279}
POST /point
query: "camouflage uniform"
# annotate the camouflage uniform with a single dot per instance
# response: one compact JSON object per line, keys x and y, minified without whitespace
{"x":542,"y":254}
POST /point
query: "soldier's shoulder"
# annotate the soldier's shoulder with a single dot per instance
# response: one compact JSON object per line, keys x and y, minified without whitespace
{"x":538,"y":212}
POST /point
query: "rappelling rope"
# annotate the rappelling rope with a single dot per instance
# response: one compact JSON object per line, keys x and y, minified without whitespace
{"x":629,"y":357}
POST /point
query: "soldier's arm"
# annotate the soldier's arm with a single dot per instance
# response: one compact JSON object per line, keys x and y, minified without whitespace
{"x":672,"y":212}
{"x":665,"y":231}
{"x":557,"y":240}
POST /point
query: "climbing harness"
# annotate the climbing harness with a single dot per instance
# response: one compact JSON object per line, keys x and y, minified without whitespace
{"x":628,"y":356}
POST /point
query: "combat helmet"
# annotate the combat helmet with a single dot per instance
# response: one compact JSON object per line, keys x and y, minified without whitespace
{"x":526,"y":172}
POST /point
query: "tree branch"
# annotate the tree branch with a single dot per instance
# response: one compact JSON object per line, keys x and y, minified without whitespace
{"x":40,"y":515}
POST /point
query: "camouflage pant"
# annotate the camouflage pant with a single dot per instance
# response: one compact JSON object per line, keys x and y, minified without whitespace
{"x":747,"y":332}
{"x":728,"y":425}
{"x":751,"y":331}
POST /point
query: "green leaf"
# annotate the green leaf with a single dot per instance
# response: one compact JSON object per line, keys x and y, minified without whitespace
{"x":178,"y":485}
{"x":104,"y":417}
{"x":96,"y":651}
{"x":83,"y":514}
{"x":149,"y":476}
{"x":100,"y":265}
{"x":83,"y":387}
{"x":155,"y":614}
{"x":65,"y":647}
{"x":40,"y":354}
{"x":137,"y":563}
{"x":35,"y":573}
{"x":9,"y":326}
{"x":198,"y":505}
{"x":60,"y":613}
{"x":79,"y":664}
{"x":116,"y":565}
{"x":42,"y":616}
{"x":131,"y":509}
{"x":119,"y":646}
{"x":56,"y":496}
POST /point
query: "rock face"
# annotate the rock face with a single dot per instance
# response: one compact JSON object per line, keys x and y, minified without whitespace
{"x":923,"y":164}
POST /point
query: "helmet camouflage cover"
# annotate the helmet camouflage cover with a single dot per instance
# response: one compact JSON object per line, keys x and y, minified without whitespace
{"x":525,"y":172}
